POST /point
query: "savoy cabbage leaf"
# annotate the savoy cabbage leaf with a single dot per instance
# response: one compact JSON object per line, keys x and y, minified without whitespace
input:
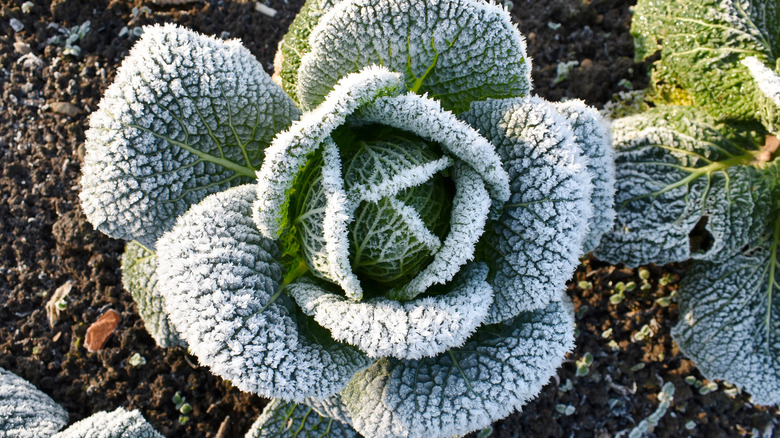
{"x":448,"y":49}
{"x":139,"y":277}
{"x":25,"y":411}
{"x":222,"y":286}
{"x":767,"y":101}
{"x":701,"y":44}
{"x":730,"y":319}
{"x":685,"y":189}
{"x":117,"y":424}
{"x":188,"y":115}
{"x":534,"y":246}
{"x":282,"y":419}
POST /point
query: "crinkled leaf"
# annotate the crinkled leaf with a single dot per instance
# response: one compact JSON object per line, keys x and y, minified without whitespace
{"x":405,"y":330}
{"x":139,"y":277}
{"x":768,"y":99}
{"x":592,"y":135}
{"x":499,"y":369}
{"x":188,"y":115}
{"x":677,"y":169}
{"x":701,"y":43}
{"x":457,"y":51}
{"x":296,"y":420}
{"x":332,"y":407}
{"x":730,"y":319}
{"x":534,"y":246}
{"x":221,"y":282}
{"x":25,"y":411}
{"x":117,"y":424}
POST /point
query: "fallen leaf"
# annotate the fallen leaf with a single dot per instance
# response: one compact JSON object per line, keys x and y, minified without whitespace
{"x":52,"y":310}
{"x":100,"y":330}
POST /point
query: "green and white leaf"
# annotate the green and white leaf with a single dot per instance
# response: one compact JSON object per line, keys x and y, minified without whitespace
{"x":768,"y":100}
{"x":188,"y":115}
{"x":414,"y":329}
{"x":676,"y":168}
{"x":592,"y":135}
{"x":296,"y":420}
{"x":534,"y":246}
{"x":730,"y":319}
{"x":465,"y":389}
{"x":139,"y":277}
{"x":117,"y":424}
{"x":331,"y":407}
{"x":702,"y":43}
{"x":25,"y":411}
{"x":456,"y":51}
{"x":223,"y":286}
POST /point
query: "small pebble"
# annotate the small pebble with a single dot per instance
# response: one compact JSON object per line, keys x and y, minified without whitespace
{"x":22,"y":48}
{"x":16,"y":25}
{"x":265,"y":10}
{"x":65,"y":108}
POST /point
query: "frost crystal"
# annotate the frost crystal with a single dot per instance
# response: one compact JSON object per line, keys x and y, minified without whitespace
{"x":25,"y":411}
{"x":295,"y":420}
{"x":117,"y":424}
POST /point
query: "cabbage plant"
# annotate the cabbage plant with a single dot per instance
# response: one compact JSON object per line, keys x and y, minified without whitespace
{"x":697,"y":178}
{"x":383,"y":237}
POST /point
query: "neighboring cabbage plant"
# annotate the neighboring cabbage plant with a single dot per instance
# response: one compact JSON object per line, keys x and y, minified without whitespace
{"x":384,"y":238}
{"x":697,"y":178}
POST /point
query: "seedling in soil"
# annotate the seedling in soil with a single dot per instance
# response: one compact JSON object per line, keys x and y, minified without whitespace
{"x":620,"y":293}
{"x":690,"y":425}
{"x":606,"y":333}
{"x":666,"y":280}
{"x":581,"y":311}
{"x":708,"y":388}
{"x":565,"y":409}
{"x":68,"y":38}
{"x":643,"y":333}
{"x":566,"y":386}
{"x":182,"y":406}
{"x":665,"y":397}
{"x":136,"y":360}
{"x":644,"y":275}
{"x":585,"y":285}
{"x":583,"y":365}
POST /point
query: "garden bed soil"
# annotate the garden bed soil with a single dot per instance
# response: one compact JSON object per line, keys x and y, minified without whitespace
{"x":46,"y":242}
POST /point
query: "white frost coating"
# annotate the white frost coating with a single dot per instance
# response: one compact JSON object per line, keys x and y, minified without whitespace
{"x":295,"y":420}
{"x":534,"y":246}
{"x":458,"y":51}
{"x":465,"y":389}
{"x":426,"y":118}
{"x":25,"y":411}
{"x":290,"y":150}
{"x":338,"y":214}
{"x":187,"y":115}
{"x":117,"y":424}
{"x":408,"y":178}
{"x":470,"y":208}
{"x":415,"y":329}
{"x":592,"y":135}
{"x":416,"y":226}
{"x":767,"y":80}
{"x":220,"y":280}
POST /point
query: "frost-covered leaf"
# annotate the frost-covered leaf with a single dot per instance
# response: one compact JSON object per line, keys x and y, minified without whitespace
{"x":222,"y":287}
{"x":701,"y":43}
{"x":534,"y":246}
{"x":405,"y":330}
{"x":139,"y":277}
{"x":117,"y":424}
{"x":730,"y":319}
{"x":25,"y":411}
{"x":768,"y":100}
{"x":332,"y":407}
{"x":465,"y":389}
{"x":685,"y":189}
{"x":594,"y":139}
{"x":296,"y":420}
{"x":457,"y":51}
{"x":188,"y":115}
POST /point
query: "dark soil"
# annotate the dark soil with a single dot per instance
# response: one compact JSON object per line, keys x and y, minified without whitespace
{"x":46,"y":242}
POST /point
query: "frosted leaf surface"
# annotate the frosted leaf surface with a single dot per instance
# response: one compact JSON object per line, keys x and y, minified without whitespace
{"x":498,"y":370}
{"x":534,"y":246}
{"x":730,"y":320}
{"x":188,"y":115}
{"x":292,"y":149}
{"x":116,"y":424}
{"x":592,"y":135}
{"x":675,"y":169}
{"x":296,"y":420}
{"x":457,"y":51}
{"x":405,"y":330}
{"x":332,"y":407}
{"x":139,"y":277}
{"x":221,"y":284}
{"x":25,"y":411}
{"x":768,"y":100}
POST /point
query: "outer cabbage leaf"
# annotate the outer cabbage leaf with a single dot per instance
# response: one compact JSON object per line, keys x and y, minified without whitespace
{"x":702,"y":44}
{"x":457,"y":51}
{"x":139,"y":277}
{"x":410,"y":330}
{"x":730,"y":319}
{"x":296,"y":420}
{"x":188,"y":115}
{"x":25,"y":411}
{"x":222,"y":287}
{"x":117,"y":424}
{"x":465,"y":389}
{"x":534,"y":246}
{"x":592,"y":135}
{"x":675,"y":169}
{"x":768,"y":100}
{"x":332,"y":407}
